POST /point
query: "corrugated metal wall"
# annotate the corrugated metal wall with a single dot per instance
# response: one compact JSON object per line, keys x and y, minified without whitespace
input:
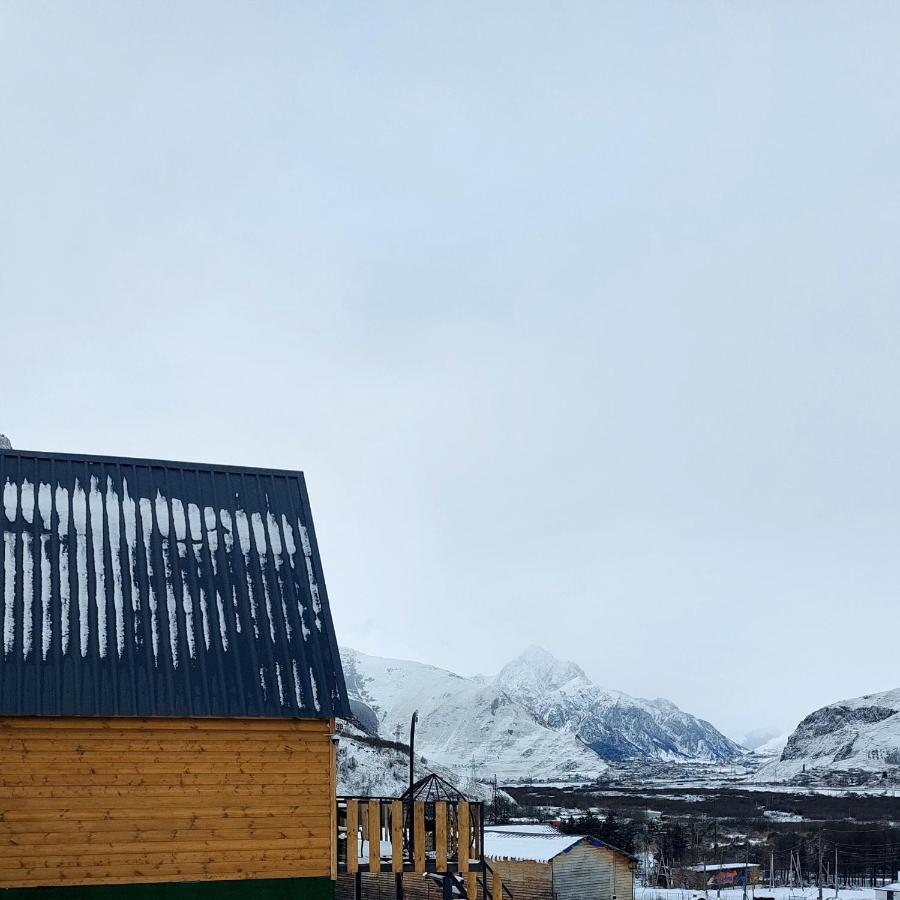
{"x":138,"y":587}
{"x":586,"y":871}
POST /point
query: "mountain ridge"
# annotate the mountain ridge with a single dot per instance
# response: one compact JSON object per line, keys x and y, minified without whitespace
{"x":538,"y":719}
{"x":860,"y":733}
{"x":614,"y":724}
{"x":465,"y":724}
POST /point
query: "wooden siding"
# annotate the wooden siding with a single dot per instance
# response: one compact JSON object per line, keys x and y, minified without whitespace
{"x":526,"y":879}
{"x":109,"y":800}
{"x":589,"y":871}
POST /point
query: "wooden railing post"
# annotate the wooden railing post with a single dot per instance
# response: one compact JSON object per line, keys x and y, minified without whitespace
{"x":397,"y":836}
{"x":352,"y":835}
{"x":374,"y":835}
{"x":419,"y":836}
{"x":497,"y":887}
{"x":464,"y":840}
{"x":440,"y":835}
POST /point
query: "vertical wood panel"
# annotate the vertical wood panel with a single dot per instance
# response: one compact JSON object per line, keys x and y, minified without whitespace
{"x":374,"y":836}
{"x":419,"y":835}
{"x":396,"y":836}
{"x":332,"y":790}
{"x":352,"y":835}
{"x":463,"y":823}
{"x":440,"y":835}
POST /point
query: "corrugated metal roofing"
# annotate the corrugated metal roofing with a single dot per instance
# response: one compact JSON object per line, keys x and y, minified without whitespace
{"x":527,"y":845}
{"x":146,"y":588}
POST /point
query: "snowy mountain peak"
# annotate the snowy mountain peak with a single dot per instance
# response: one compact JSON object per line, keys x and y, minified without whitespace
{"x":466,"y":724}
{"x":560,"y":695}
{"x":537,"y":671}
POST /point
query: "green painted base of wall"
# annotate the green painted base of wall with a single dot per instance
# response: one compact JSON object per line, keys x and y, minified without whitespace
{"x":271,"y":889}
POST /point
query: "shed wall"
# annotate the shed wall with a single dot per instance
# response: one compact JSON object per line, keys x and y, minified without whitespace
{"x":111,"y":801}
{"x":595,"y":872}
{"x":528,"y":880}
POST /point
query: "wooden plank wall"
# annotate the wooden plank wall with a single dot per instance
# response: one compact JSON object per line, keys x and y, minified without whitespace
{"x":115,"y":800}
{"x":525,"y":878}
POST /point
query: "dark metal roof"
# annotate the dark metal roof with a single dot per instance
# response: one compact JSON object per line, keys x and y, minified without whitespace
{"x":137,"y":587}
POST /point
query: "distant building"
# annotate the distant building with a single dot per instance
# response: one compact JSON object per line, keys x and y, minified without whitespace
{"x":717,"y":875}
{"x":537,"y":862}
{"x":888,"y":891}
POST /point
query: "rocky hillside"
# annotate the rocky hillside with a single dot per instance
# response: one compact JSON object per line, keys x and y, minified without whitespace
{"x":858,"y":734}
{"x":368,"y":766}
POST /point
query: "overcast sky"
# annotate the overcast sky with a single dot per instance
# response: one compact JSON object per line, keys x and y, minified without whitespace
{"x":583,"y":320}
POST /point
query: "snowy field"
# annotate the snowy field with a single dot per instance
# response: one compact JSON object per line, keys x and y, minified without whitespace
{"x":779,"y":893}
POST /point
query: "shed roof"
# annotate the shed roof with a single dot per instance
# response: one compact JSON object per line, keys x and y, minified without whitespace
{"x":527,"y":845}
{"x":147,"y":588}
{"x":721,"y":867}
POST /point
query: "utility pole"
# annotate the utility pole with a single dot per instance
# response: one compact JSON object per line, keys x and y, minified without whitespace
{"x":746,"y":868}
{"x":821,"y":886}
{"x":412,"y":781}
{"x":412,"y":750}
{"x":718,"y":856}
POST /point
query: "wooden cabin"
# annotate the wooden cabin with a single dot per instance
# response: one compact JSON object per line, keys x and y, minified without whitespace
{"x":537,"y":862}
{"x":169,"y":680}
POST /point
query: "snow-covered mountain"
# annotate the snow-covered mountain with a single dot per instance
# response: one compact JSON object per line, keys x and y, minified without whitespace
{"x":615,"y":725}
{"x":862,"y":733}
{"x":466,"y":724}
{"x":540,"y":719}
{"x":773,"y":747}
{"x":370,"y":767}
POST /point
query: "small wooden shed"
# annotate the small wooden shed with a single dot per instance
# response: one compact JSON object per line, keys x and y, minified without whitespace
{"x":537,"y":862}
{"x":169,"y":678}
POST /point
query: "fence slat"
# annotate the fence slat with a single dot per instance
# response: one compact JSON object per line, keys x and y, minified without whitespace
{"x":374,"y":836}
{"x":419,"y":835}
{"x":440,"y":835}
{"x":464,"y":841}
{"x":396,"y":836}
{"x":352,"y":835}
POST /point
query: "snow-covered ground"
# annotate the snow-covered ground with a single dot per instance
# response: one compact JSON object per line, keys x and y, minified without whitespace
{"x":758,"y":891}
